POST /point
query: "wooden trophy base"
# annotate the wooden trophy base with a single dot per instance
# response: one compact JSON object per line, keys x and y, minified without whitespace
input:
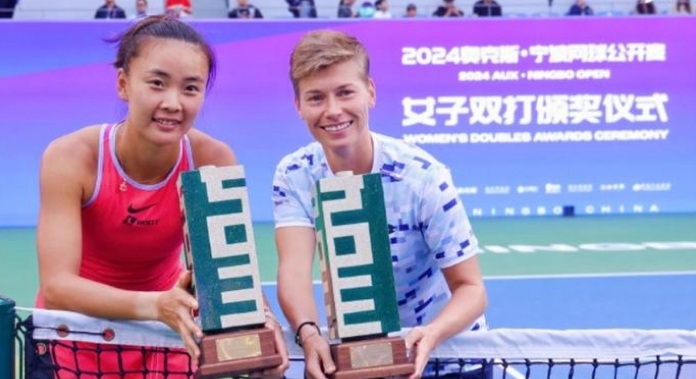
{"x":377,"y":358}
{"x":237,"y":353}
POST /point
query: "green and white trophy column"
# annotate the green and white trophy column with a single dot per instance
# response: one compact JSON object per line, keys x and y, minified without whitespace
{"x":221,"y":251}
{"x":357,"y":276}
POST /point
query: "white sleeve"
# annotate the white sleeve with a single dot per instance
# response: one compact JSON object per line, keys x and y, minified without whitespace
{"x":291,"y":202}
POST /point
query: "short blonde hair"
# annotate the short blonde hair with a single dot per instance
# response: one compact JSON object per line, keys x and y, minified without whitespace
{"x":320,"y":49}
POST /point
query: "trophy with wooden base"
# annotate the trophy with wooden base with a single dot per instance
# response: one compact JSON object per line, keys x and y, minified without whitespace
{"x":221,"y":252}
{"x":357,"y":276}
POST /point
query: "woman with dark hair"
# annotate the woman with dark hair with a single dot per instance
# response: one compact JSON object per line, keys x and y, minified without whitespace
{"x":110,"y":230}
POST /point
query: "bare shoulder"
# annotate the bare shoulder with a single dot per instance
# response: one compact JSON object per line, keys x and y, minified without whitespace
{"x":210,"y":151}
{"x":73,"y":155}
{"x":77,"y":146}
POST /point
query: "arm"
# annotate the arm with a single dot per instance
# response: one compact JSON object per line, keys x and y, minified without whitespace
{"x":67,"y":173}
{"x":296,"y":246}
{"x":65,"y":167}
{"x":453,"y":244}
{"x":468,"y":302}
{"x":296,"y":243}
{"x":295,"y":288}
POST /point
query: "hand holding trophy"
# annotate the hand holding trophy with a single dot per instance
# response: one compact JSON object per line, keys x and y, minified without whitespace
{"x":357,"y":276}
{"x":220,"y":251}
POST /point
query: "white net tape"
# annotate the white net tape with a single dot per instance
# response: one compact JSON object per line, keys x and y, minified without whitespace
{"x":497,"y":343}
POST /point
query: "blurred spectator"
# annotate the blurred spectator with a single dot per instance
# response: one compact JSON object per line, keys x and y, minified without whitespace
{"x":488,"y":8}
{"x":682,"y":7}
{"x":580,"y":8}
{"x":345,"y":9}
{"x":366,"y":10}
{"x":110,"y":10}
{"x":645,"y":7}
{"x":140,"y":9}
{"x":7,"y":8}
{"x":179,"y":8}
{"x":302,"y":8}
{"x":382,"y":9}
{"x":411,"y":11}
{"x":244,"y":10}
{"x":448,"y":9}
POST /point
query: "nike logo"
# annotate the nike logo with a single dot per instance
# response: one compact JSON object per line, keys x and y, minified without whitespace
{"x":132,"y":209}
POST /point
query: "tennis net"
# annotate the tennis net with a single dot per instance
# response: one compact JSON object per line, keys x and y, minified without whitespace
{"x":156,"y":351}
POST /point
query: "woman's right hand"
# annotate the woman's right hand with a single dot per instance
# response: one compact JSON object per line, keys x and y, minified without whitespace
{"x":175,"y":308}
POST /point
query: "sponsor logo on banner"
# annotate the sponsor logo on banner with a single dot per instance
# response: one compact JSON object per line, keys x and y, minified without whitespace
{"x":527,"y":189}
{"x":467,"y":190}
{"x":652,"y":187}
{"x":496,"y":190}
{"x":580,"y":188}
{"x":612,"y":187}
{"x":552,"y":188}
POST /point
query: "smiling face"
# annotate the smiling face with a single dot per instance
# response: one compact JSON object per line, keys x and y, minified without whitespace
{"x":164,"y":87}
{"x":334,"y":103}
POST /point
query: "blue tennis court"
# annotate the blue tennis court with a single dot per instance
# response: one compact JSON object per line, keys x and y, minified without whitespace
{"x":641,"y":301}
{"x":580,"y":274}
